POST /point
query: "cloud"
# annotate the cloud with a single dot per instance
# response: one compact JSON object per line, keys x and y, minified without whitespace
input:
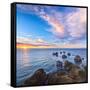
{"x":57,"y":27}
{"x":67,"y":26}
{"x":39,"y":40}
{"x":34,"y":42}
{"x":76,"y":23}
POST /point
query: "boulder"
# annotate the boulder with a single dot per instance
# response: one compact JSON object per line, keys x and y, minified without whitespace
{"x":55,"y":54}
{"x":38,"y":78}
{"x":75,"y":72}
{"x":69,"y":54}
{"x":59,"y":65}
{"x":78,"y":59}
{"x":59,"y":78}
{"x":64,"y":56}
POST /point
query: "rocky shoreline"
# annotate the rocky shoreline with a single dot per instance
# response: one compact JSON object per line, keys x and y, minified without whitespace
{"x":71,"y":73}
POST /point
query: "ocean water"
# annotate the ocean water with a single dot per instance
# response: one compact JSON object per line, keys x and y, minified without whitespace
{"x":29,"y":60}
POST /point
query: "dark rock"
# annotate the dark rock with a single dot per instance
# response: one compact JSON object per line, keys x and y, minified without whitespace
{"x":55,"y":54}
{"x":69,"y":54}
{"x":64,"y":52}
{"x":58,"y":78}
{"x":69,"y":66}
{"x":72,"y":74}
{"x":59,"y":65}
{"x":64,"y":56}
{"x":60,"y":52}
{"x":78,"y":59}
{"x":38,"y":78}
{"x":75,"y":72}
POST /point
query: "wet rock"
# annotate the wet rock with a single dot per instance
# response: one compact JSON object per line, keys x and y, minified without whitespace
{"x":64,"y":56}
{"x":59,"y":65}
{"x":55,"y":54}
{"x":38,"y":78}
{"x":64,"y":52}
{"x":58,"y":78}
{"x":82,"y":58}
{"x":69,"y":54}
{"x":75,"y":72}
{"x":70,"y":66}
{"x":70,"y":74}
{"x":78,"y":59}
{"x":60,"y":52}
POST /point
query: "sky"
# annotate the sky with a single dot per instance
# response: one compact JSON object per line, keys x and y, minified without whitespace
{"x":41,"y":26}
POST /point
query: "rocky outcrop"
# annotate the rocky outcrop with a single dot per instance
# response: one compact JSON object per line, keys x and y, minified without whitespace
{"x":38,"y":78}
{"x":71,"y":74}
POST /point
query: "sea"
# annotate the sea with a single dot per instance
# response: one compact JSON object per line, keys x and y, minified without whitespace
{"x":30,"y":60}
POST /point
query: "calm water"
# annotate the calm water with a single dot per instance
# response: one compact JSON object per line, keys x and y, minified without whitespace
{"x":29,"y":60}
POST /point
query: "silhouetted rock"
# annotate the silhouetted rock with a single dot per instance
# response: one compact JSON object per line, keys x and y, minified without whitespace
{"x":78,"y":59}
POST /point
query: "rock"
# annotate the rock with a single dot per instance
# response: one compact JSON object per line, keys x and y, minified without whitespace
{"x":72,"y":74}
{"x":78,"y":59}
{"x":69,"y":54}
{"x":68,"y":66}
{"x":64,"y":52}
{"x":59,"y":65}
{"x":82,"y":75}
{"x":82,"y":58}
{"x":38,"y":78}
{"x":64,"y":56}
{"x":59,"y":78}
{"x":60,"y":52}
{"x":55,"y":54}
{"x":75,"y":72}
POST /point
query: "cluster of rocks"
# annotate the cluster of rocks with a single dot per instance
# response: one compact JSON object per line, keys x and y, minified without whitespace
{"x":71,"y":74}
{"x":77,"y":58}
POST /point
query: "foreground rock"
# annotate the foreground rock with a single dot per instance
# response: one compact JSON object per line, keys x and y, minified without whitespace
{"x":71,"y":74}
{"x":78,"y":59}
{"x":75,"y":72}
{"x":38,"y":78}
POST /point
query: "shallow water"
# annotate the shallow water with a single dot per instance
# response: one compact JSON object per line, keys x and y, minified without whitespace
{"x":29,"y":60}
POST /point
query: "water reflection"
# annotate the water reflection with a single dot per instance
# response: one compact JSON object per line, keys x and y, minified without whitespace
{"x":25,"y":57}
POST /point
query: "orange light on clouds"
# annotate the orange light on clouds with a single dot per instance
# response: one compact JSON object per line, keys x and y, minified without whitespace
{"x":26,"y":46}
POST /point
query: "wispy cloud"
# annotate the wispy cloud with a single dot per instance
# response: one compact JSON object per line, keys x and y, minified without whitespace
{"x":76,"y":23}
{"x":67,"y":27}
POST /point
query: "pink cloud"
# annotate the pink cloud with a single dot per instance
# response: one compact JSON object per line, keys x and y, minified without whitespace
{"x":76,"y":23}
